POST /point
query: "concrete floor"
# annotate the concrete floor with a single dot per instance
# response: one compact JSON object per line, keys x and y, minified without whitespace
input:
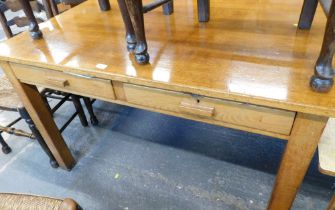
{"x":137,"y":159}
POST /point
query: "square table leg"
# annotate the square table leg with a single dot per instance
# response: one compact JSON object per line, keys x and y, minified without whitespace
{"x":34,"y":104}
{"x":299,"y":151}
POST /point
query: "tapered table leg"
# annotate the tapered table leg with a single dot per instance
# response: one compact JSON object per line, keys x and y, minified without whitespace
{"x":34,"y":30}
{"x":322,"y":80}
{"x":39,"y":113}
{"x":331,"y":205}
{"x":299,"y":151}
{"x":135,"y":9}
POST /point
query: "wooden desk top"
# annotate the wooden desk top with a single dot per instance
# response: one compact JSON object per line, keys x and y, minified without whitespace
{"x":249,"y":51}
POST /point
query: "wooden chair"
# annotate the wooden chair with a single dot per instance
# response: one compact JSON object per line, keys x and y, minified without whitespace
{"x":10,"y":201}
{"x":9,"y":101}
{"x":322,"y":80}
{"x":132,"y":14}
{"x":326,"y":151}
{"x":23,"y":22}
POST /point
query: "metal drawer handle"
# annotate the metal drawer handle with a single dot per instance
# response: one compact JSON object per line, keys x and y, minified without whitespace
{"x":59,"y":82}
{"x":80,"y":75}
{"x":196,"y":108}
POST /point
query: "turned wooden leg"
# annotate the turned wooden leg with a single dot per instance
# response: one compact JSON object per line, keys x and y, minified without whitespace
{"x":89,"y":107}
{"x":42,"y":118}
{"x":5,"y":148}
{"x":47,"y":8}
{"x":34,"y":30}
{"x":203,"y":10}
{"x":307,"y":14}
{"x":54,"y":7}
{"x":322,"y":80}
{"x":104,"y":5}
{"x":130,"y":34}
{"x":168,"y":8}
{"x":80,"y":110}
{"x":299,"y":151}
{"x":5,"y":26}
{"x":24,"y":114}
{"x":135,"y":9}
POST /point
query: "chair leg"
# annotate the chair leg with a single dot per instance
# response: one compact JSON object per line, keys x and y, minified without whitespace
{"x":307,"y":14}
{"x":80,"y":110}
{"x":5,"y":26}
{"x":104,"y":5}
{"x":5,"y":148}
{"x":34,"y":30}
{"x":322,"y":80}
{"x":89,"y":107}
{"x":54,"y":7}
{"x":130,"y":34}
{"x":135,"y":9}
{"x":47,"y":8}
{"x":45,"y":100}
{"x":24,"y":114}
{"x":168,"y":8}
{"x":203,"y":10}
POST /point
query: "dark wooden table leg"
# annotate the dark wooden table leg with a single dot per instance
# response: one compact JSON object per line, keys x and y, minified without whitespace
{"x":307,"y":14}
{"x":130,"y":34}
{"x":322,"y":80}
{"x":299,"y":151}
{"x":104,"y":5}
{"x":203,"y":10}
{"x":24,"y":114}
{"x":34,"y":30}
{"x":168,"y":8}
{"x":135,"y":9}
{"x":39,"y":113}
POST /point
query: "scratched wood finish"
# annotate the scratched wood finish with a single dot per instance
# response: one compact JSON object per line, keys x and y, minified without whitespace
{"x":248,"y":52}
{"x":299,"y":152}
{"x":77,"y":84}
{"x":278,"y":121}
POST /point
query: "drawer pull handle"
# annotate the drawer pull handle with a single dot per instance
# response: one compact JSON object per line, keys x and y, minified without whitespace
{"x":196,"y":108}
{"x":59,"y":82}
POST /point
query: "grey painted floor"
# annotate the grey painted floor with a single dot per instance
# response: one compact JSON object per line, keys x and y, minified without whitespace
{"x":142,"y":160}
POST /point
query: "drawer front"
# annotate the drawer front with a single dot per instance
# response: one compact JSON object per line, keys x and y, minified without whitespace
{"x":240,"y":114}
{"x":96,"y":88}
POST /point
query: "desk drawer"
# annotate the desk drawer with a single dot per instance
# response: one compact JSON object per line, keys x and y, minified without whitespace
{"x":78,"y":84}
{"x":240,"y":114}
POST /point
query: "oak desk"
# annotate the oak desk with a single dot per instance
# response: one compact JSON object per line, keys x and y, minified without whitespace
{"x":248,"y":69}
